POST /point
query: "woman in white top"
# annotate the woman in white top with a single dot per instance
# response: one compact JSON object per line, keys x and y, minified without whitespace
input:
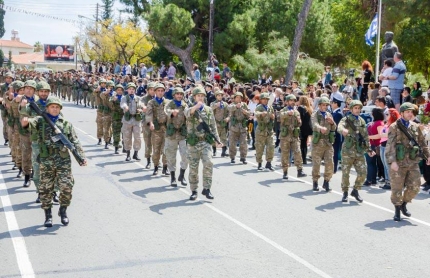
{"x":386,"y":71}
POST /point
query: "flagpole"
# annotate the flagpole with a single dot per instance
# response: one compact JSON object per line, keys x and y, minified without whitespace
{"x":378,"y":40}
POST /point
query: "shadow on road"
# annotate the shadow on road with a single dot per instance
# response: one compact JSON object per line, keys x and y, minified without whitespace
{"x":141,"y":178}
{"x":269,"y":182}
{"x":24,"y":206}
{"x":307,"y":193}
{"x":104,"y":164}
{"x":33,"y":231}
{"x":335,"y":205}
{"x":158,"y":189}
{"x":244,"y":172}
{"x":122,"y":172}
{"x":181,"y":203}
{"x":372,"y":190}
{"x":388,"y":224}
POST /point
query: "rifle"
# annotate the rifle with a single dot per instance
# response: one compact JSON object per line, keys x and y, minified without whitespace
{"x":358,"y":136}
{"x":202,"y":124}
{"x":59,"y":135}
{"x":412,"y":140}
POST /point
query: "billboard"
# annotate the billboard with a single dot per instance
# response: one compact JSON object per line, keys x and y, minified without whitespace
{"x":59,"y":52}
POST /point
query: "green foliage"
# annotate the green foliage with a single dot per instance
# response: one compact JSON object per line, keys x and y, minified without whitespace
{"x":2,"y":13}
{"x":9,"y":63}
{"x":418,"y":77}
{"x":107,"y":9}
{"x":1,"y":58}
{"x":272,"y":61}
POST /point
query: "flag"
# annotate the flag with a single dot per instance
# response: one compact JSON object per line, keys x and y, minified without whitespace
{"x":372,"y":31}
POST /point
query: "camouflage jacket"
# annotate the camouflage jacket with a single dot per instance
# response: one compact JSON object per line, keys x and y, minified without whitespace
{"x":265,"y":122}
{"x":238,"y":117}
{"x":192,"y":122}
{"x":145,"y":99}
{"x":105,"y":97}
{"x":396,"y":138}
{"x":220,"y":112}
{"x":176,"y":126}
{"x":115,"y":106}
{"x":155,"y":112}
{"x":289,"y":124}
{"x":351,"y":146}
{"x":318,"y":122}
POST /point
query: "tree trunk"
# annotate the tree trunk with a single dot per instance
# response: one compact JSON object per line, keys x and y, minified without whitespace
{"x":183,"y":54}
{"x":298,"y":34}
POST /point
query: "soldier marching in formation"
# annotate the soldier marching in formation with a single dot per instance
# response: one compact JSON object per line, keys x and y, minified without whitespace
{"x":195,"y":119}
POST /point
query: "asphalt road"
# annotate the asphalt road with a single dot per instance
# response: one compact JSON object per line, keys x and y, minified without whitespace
{"x":126,"y":223}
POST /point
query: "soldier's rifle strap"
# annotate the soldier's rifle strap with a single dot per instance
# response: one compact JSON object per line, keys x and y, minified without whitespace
{"x":406,"y":132}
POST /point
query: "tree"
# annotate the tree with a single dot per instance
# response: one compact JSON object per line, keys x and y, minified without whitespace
{"x":38,"y":47}
{"x":297,"y":39}
{"x":1,"y":58}
{"x":2,"y":13}
{"x":107,"y":9}
{"x":9,"y":63}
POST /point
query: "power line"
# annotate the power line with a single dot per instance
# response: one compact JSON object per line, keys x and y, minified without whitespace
{"x":13,"y":9}
{"x":23,"y":3}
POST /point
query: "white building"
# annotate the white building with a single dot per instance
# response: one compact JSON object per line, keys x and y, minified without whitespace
{"x":15,"y":45}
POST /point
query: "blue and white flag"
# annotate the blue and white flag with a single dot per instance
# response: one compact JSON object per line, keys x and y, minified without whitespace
{"x":372,"y":31}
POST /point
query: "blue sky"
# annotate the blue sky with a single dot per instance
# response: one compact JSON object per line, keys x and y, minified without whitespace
{"x":34,"y":28}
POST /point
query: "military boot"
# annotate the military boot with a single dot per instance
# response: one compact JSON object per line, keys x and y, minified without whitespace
{"x":233,"y":161}
{"x":207,"y":193}
{"x":26,"y":181}
{"x":116,"y":150}
{"x":326,"y":186}
{"x":243,"y":160}
{"x":48,"y":218}
{"x":404,"y":210}
{"x":214,"y":151}
{"x":300,"y":173}
{"x":354,"y":193}
{"x":397,"y":213}
{"x":31,"y":175}
{"x":106,"y":145}
{"x":148,"y":163}
{"x":224,"y":152}
{"x":193,"y":196}
{"x":260,"y":168}
{"x":155,"y":170}
{"x":285,"y":176}
{"x":315,"y":186}
{"x":269,"y":166}
{"x":62,"y":213}
{"x":19,"y":173}
{"x":136,"y":156}
{"x":38,"y":198}
{"x":55,"y":198}
{"x":345,"y":197}
{"x":14,"y":167}
{"x":173,"y":179}
{"x":252,"y":147}
{"x":100,"y":141}
{"x":165,"y":171}
{"x":6,"y":142}
{"x":128,"y":156}
{"x":181,"y":177}
{"x":123,"y":150}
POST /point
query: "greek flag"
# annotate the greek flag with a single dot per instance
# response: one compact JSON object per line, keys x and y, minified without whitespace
{"x":372,"y":31}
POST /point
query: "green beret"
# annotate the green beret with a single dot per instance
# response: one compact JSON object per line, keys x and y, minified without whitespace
{"x":323,"y":100}
{"x":355,"y":103}
{"x":406,"y":106}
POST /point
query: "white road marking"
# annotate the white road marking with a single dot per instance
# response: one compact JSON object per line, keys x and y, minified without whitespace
{"x":18,"y":241}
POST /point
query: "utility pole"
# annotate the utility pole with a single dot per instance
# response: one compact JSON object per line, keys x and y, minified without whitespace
{"x":97,"y":17}
{"x":211,"y":29}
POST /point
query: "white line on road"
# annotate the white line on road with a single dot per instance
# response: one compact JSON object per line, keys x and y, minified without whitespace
{"x":247,"y":228}
{"x":18,"y":241}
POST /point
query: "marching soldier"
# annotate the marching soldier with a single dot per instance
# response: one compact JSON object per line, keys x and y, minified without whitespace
{"x":55,"y":163}
{"x":355,"y":144}
{"x":64,"y":85}
{"x":85,"y":91}
{"x":220,"y":109}
{"x":7,"y":102}
{"x":290,"y":123}
{"x":107,"y":116}
{"x":324,"y":128}
{"x":69,"y":86}
{"x":265,"y":116}
{"x":239,"y":114}
{"x":403,"y":159}
{"x":176,"y":134}
{"x":17,"y":128}
{"x":59,"y":82}
{"x":156,"y":118}
{"x":200,"y":143}
{"x":3,"y":93}
{"x":100,"y":108}
{"x":145,"y":126}
{"x":132,"y":120}
{"x":117,"y":115}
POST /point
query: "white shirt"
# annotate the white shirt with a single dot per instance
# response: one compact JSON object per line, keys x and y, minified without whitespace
{"x":128,"y":69}
{"x":387,"y":72}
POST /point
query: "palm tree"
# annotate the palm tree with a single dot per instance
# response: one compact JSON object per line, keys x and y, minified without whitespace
{"x":38,"y":47}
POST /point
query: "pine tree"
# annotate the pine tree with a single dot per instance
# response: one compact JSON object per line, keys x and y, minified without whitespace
{"x":107,"y":9}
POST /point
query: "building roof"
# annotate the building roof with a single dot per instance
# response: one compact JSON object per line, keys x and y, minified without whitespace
{"x":28,"y":58}
{"x":9,"y":43}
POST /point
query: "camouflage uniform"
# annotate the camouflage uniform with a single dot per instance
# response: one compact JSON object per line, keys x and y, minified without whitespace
{"x":155,"y":114}
{"x":59,"y":85}
{"x":17,"y":129}
{"x":3,"y":93}
{"x":290,"y":138}
{"x":100,"y":109}
{"x":322,"y":148}
{"x":131,"y":122}
{"x":176,"y":133}
{"x":200,"y":147}
{"x":69,"y":86}
{"x":64,"y":85}
{"x":107,"y":114}
{"x":147,"y":133}
{"x":85,"y":92}
{"x":117,"y":115}
{"x":264,"y":133}
{"x":220,"y":109}
{"x":238,"y":129}
{"x":10,"y":121}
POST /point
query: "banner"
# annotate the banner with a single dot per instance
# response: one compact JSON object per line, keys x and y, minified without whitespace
{"x":59,"y":52}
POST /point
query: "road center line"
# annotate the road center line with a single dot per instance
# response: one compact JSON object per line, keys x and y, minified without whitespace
{"x":18,"y":241}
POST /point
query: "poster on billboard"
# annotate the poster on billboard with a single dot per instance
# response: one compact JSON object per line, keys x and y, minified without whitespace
{"x":59,"y":52}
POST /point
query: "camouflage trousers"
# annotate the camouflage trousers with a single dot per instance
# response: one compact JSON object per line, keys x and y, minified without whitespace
{"x":55,"y":170}
{"x":11,"y":141}
{"x":58,"y":90}
{"x":222,"y":133}
{"x":360,"y":166}
{"x":409,"y":176}
{"x":116,"y":132}
{"x":4,"y":120}
{"x":157,"y":138}
{"x":26,"y":153}
{"x":202,"y":151}
{"x":85,"y":97}
{"x":321,"y":151}
{"x":92,"y":100}
{"x":69,"y":92}
{"x":17,"y":145}
{"x":261,"y":142}
{"x":171,"y":150}
{"x":291,"y":144}
{"x":53,"y":89}
{"x":131,"y":136}
{"x":63,"y":91}
{"x":35,"y":151}
{"x":107,"y":127}
{"x":99,"y":121}
{"x":147,"y":139}
{"x":234,"y":137}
